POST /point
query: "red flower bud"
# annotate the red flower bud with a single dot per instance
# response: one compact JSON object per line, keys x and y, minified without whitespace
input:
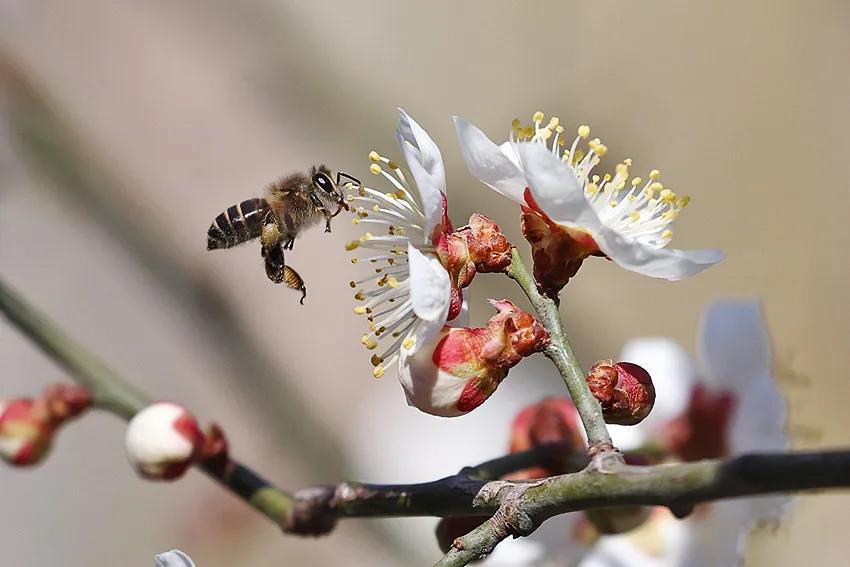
{"x":478,"y":247}
{"x":27,"y":425}
{"x":552,"y":420}
{"x":462,"y":367}
{"x":624,"y":391}
{"x":557,"y":250}
{"x":703,"y":431}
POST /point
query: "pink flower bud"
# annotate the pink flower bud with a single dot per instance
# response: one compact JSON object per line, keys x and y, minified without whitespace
{"x":558,"y":251}
{"x":163,"y":440}
{"x":703,"y":431}
{"x":461,"y":367}
{"x":27,"y":425}
{"x":624,"y":390}
{"x":552,"y":420}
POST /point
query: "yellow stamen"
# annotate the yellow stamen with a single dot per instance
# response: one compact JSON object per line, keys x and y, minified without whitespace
{"x":375,"y":168}
{"x":667,"y":234}
{"x":654,"y":174}
{"x":538,"y":116}
{"x":583,"y":131}
{"x":378,"y":372}
{"x":352,"y":245}
{"x":408,"y":343}
{"x":374,"y":156}
{"x":360,"y":310}
{"x":392,"y":281}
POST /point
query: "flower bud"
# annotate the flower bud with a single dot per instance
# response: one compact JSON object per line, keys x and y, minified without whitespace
{"x":27,"y":425}
{"x":609,"y":521}
{"x":624,"y":390}
{"x":703,"y":431}
{"x":478,"y":247}
{"x":488,"y":247}
{"x":163,"y":440}
{"x":552,"y":420}
{"x":461,"y":367}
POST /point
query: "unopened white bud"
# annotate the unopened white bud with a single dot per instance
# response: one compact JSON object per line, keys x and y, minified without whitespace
{"x":163,"y":440}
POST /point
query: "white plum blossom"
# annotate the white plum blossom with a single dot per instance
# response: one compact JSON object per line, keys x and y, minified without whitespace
{"x":162,"y":441}
{"x":627,"y":221}
{"x":735,"y":360}
{"x":408,"y":296}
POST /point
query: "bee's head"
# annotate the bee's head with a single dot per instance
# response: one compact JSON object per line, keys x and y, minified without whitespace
{"x":324,"y":185}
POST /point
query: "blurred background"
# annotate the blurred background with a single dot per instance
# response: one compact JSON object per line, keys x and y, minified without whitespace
{"x":128,"y":126}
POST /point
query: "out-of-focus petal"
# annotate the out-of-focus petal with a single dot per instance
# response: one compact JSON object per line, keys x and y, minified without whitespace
{"x":426,"y":386}
{"x":555,"y":188}
{"x":665,"y":263}
{"x":426,"y":165}
{"x":673,"y":375}
{"x":173,"y":558}
{"x":734,"y":345}
{"x":488,"y":163}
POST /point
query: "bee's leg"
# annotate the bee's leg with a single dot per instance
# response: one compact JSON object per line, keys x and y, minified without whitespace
{"x":294,"y":281}
{"x":288,"y":243}
{"x":273,"y":255}
{"x":321,"y":206}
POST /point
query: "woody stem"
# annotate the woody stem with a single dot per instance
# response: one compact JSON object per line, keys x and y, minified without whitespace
{"x":560,"y":352}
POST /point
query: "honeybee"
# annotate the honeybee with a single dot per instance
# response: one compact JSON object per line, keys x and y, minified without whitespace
{"x":290,"y":205}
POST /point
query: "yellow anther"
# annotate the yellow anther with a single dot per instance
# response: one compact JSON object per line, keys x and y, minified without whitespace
{"x":654,"y":174}
{"x":553,"y":123}
{"x":592,"y":188}
{"x":606,"y":178}
{"x":376,"y":208}
{"x":683,"y":202}
{"x":376,"y":360}
{"x":559,"y":129}
{"x":360,"y":310}
{"x":374,"y":156}
{"x":349,"y":198}
{"x":628,"y":161}
{"x":636,"y":181}
{"x":667,"y":234}
{"x":391,"y":196}
{"x":545,"y":133}
{"x":375,"y":168}
{"x":613,"y":204}
{"x":670,"y":215}
{"x":656,"y":186}
{"x":583,"y":131}
{"x":579,"y":155}
{"x":634,"y":216}
{"x":622,"y":169}
{"x":355,"y":260}
{"x":352,"y":245}
{"x":392,"y":165}
{"x":369,"y":342}
{"x":595,"y":179}
{"x":528,"y":132}
{"x":516,"y":124}
{"x":392,"y":281}
{"x":620,"y":186}
{"x":667,"y":196}
{"x":601,"y":149}
{"x":359,"y":296}
{"x":408,"y":343}
{"x":538,"y":117}
{"x":378,"y":372}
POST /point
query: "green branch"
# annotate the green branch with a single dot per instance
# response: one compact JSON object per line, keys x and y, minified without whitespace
{"x":560,"y":352}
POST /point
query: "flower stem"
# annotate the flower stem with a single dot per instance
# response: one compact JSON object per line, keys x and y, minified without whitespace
{"x":560,"y":352}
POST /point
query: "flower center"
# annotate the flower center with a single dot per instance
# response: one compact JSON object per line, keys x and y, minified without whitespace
{"x":384,"y":296}
{"x":636,"y":209}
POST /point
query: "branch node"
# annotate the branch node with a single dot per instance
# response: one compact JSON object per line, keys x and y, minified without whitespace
{"x":313,"y":513}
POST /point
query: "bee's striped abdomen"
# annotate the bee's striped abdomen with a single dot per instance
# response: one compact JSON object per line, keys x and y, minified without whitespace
{"x":238,"y":224}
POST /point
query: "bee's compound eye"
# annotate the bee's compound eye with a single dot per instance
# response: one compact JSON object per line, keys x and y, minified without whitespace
{"x":322,"y":181}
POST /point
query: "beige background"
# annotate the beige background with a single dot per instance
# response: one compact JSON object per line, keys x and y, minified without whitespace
{"x":193,"y":106}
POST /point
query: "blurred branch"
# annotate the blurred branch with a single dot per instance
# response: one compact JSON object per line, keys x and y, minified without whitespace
{"x":517,"y":508}
{"x":560,"y":352}
{"x":57,"y":152}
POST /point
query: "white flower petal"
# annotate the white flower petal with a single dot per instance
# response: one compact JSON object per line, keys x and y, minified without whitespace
{"x":488,"y":163}
{"x":173,"y":558}
{"x":426,"y":165}
{"x":426,"y":387}
{"x":665,"y":263}
{"x":555,"y":188}
{"x":430,"y":288}
{"x":734,"y":345}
